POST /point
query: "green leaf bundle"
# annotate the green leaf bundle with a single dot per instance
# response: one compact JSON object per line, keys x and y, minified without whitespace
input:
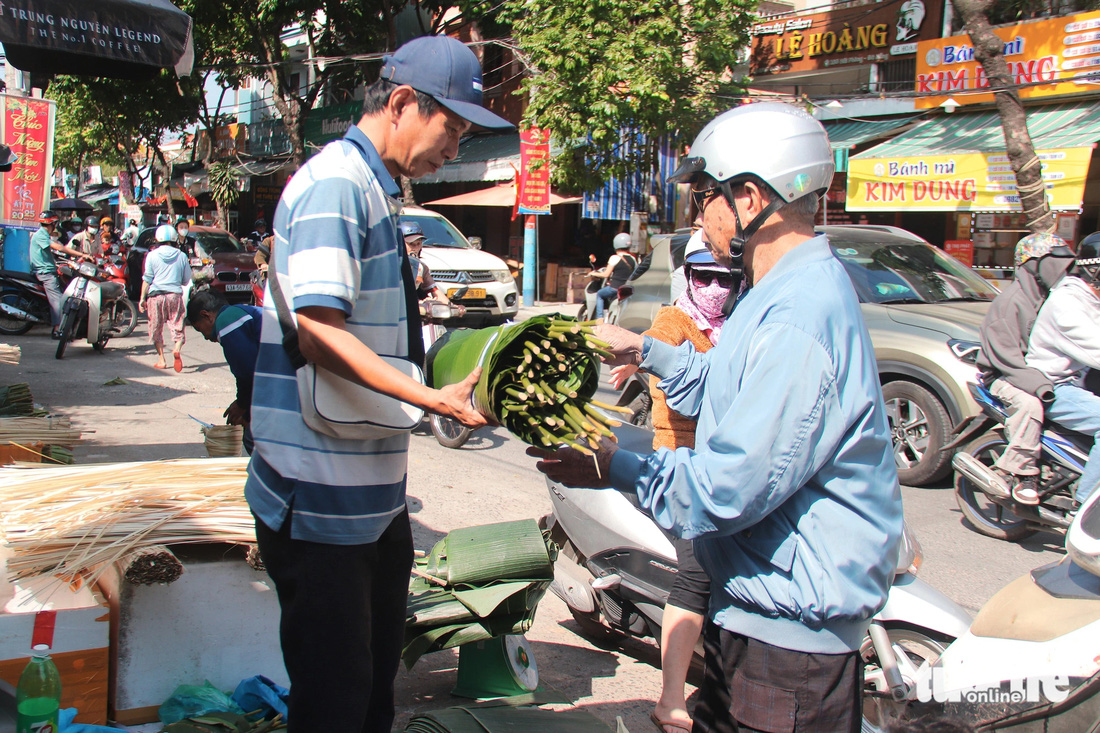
{"x":538,"y":380}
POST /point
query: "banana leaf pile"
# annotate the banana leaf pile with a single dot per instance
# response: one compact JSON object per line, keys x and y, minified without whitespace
{"x":475,"y":584}
{"x":506,"y":719}
{"x":538,"y":380}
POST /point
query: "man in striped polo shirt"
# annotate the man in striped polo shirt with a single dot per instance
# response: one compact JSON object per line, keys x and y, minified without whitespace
{"x":331,"y":520}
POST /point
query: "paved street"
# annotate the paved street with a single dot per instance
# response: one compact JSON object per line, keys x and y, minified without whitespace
{"x":490,"y":479}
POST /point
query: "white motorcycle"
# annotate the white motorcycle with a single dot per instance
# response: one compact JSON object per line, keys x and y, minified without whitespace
{"x":616,"y":567}
{"x":86,"y":308}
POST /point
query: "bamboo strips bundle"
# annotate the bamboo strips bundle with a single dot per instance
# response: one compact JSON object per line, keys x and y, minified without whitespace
{"x":16,"y":399}
{"x":149,"y":565}
{"x":81,"y":519}
{"x":48,"y":430}
{"x":223,"y":441}
{"x":9,"y":354}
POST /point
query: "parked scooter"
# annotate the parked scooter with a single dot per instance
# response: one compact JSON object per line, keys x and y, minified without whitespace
{"x":1029,"y":661}
{"x":433,"y":313}
{"x":989,"y":510}
{"x":87,"y":308}
{"x":616,"y":567}
{"x":23,"y":303}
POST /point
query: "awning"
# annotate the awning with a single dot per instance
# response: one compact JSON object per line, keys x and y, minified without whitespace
{"x":641,"y":191}
{"x":847,"y":134}
{"x":1073,"y":125}
{"x":504,"y":195}
{"x":481,"y":158}
{"x":117,"y":38}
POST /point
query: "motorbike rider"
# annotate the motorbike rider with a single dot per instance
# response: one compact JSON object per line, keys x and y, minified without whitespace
{"x":130,"y":234}
{"x":108,"y":237}
{"x":414,"y":237}
{"x":791,"y":494}
{"x":618,"y":270}
{"x":1041,"y":262}
{"x":87,"y":241}
{"x":44,"y":263}
{"x":259,"y":231}
{"x":1065,"y":345}
{"x":186,"y":242}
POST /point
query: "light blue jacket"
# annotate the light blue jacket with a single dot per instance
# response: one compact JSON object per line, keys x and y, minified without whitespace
{"x":791,"y":493}
{"x":167,"y":270}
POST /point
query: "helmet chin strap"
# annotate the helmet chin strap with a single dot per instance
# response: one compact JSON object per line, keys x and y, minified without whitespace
{"x":737,"y":242}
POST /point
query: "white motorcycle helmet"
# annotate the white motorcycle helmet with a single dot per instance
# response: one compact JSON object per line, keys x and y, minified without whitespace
{"x":621,"y":241}
{"x":770,"y":142}
{"x":165,"y":233}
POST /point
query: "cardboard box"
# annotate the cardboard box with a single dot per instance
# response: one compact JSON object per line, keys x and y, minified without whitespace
{"x":80,"y":639}
{"x":218,"y":622}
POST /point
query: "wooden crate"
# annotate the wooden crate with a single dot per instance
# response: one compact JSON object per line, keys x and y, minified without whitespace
{"x":80,"y":643}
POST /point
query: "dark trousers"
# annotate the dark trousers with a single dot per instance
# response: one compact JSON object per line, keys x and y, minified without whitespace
{"x":53,"y":295}
{"x":342,"y":626}
{"x":752,"y":686}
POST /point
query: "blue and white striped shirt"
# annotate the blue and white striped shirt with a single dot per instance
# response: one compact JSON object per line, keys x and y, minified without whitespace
{"x":336,"y":246}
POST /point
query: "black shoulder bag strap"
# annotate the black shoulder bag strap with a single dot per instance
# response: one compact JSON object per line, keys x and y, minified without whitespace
{"x":290,"y":330}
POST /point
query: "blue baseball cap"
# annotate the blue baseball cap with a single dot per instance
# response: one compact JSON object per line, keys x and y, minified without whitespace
{"x":448,"y":72}
{"x":410,"y":229}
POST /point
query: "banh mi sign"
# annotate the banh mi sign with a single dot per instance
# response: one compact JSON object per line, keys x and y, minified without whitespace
{"x":961,"y":182}
{"x":1045,"y":57}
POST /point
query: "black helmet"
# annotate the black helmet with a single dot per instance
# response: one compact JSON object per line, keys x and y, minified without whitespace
{"x":162,"y":219}
{"x":182,"y":220}
{"x":1087,"y":266}
{"x":260,"y":223}
{"x":91,"y":222}
{"x":7,"y":159}
{"x":48,"y":217}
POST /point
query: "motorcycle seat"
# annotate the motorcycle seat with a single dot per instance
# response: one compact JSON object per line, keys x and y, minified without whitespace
{"x":16,"y":275}
{"x":111,"y":290}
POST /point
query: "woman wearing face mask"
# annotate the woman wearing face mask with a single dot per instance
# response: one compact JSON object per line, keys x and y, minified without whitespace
{"x":696,"y":316}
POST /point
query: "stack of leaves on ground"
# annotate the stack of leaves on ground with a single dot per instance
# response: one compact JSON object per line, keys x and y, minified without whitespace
{"x":477,"y":583}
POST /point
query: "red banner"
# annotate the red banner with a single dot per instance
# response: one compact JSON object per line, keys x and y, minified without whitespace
{"x":28,"y":131}
{"x":533,"y":186}
{"x":961,"y":249}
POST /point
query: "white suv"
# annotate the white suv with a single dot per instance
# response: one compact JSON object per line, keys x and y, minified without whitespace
{"x":491,"y":295}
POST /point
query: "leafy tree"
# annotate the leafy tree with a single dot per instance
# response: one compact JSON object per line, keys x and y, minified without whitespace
{"x":602,"y":68}
{"x":118,"y":122}
{"x":225,"y":187}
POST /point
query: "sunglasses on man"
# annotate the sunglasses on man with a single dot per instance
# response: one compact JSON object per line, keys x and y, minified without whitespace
{"x":703,"y":197}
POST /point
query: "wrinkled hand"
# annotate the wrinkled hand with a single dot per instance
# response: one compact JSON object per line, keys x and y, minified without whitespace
{"x":570,"y":467}
{"x":625,"y":345}
{"x":456,"y":401}
{"x":621,"y":374}
{"x":234,"y":414}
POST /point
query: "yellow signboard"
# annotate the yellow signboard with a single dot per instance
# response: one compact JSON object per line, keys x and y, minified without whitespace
{"x":963,"y":182}
{"x":1046,"y":57}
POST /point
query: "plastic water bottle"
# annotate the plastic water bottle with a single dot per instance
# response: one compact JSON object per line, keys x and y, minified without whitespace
{"x":38,"y":696}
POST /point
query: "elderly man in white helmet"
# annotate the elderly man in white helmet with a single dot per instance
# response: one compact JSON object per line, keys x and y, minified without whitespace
{"x":790,"y":494}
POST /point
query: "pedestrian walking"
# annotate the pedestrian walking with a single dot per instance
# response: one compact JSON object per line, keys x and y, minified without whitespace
{"x":167,"y":271}
{"x":331,"y":520}
{"x":791,"y":494}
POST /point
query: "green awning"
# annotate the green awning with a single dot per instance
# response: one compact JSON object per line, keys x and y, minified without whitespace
{"x":1072,"y":125}
{"x":846,"y":134}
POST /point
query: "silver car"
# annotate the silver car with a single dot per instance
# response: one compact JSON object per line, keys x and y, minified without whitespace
{"x":922,"y":308}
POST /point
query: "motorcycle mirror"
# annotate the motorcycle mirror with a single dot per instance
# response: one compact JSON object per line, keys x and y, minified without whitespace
{"x":475,"y":242}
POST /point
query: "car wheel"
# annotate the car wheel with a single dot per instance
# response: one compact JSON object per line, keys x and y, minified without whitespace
{"x":918,"y":427}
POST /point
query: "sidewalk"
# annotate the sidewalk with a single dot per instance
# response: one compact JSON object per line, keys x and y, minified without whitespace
{"x":544,"y":307}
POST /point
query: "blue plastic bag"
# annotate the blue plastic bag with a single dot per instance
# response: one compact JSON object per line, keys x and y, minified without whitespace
{"x":65,"y":724}
{"x":260,"y":693}
{"x":191,"y":700}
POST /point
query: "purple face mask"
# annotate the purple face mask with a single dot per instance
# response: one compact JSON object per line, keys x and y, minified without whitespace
{"x":704,"y":297}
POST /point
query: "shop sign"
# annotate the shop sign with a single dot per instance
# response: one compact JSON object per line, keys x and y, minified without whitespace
{"x":268,"y":138}
{"x":1046,"y":58}
{"x":533,"y":188}
{"x":267,"y":195}
{"x":961,"y":249}
{"x":963,"y":182}
{"x":843,"y":34}
{"x":229,"y":140}
{"x":325,"y":124}
{"x":28,"y":127}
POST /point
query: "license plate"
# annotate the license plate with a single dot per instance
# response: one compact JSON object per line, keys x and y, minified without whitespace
{"x":471,"y":293}
{"x":234,"y":287}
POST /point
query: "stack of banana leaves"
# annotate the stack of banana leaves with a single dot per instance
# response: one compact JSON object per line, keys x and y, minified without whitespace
{"x":506,"y":718}
{"x":538,"y":378}
{"x":477,"y":583}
